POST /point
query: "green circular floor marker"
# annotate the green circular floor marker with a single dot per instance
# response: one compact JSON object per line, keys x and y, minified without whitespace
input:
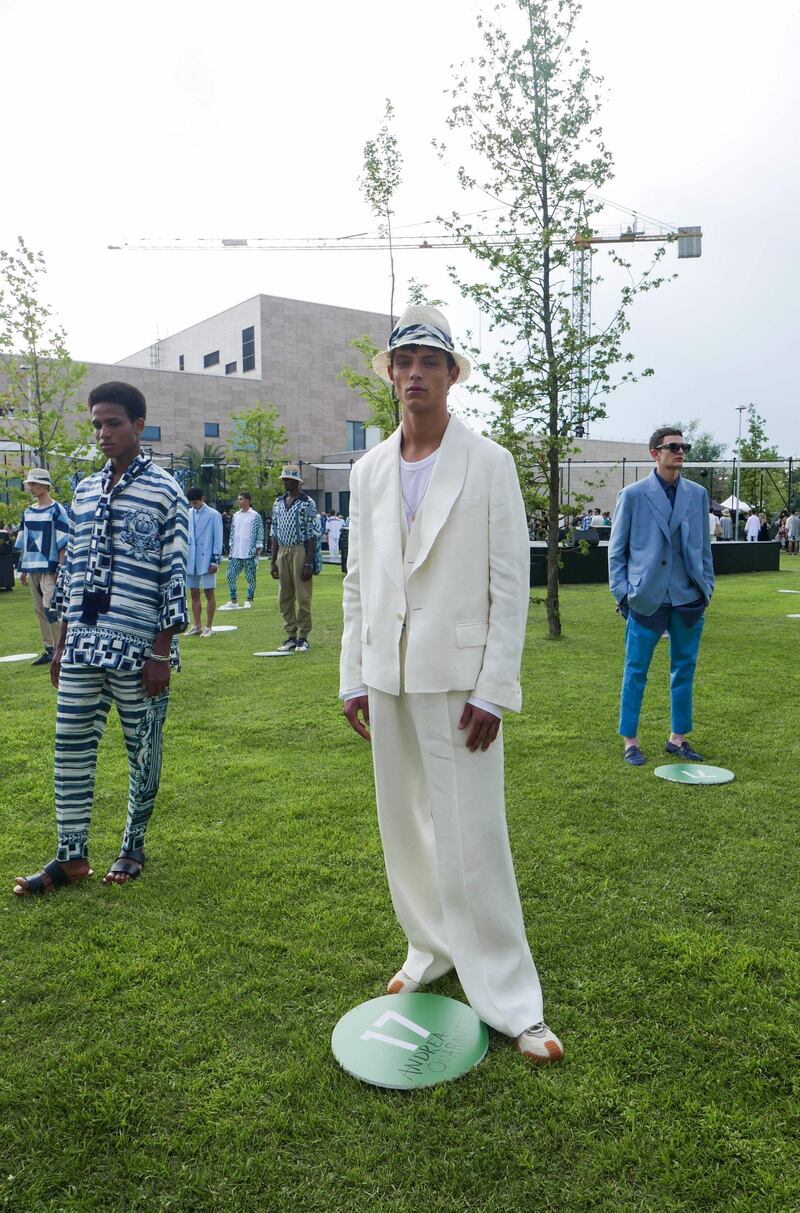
{"x":693,"y":772}
{"x":405,"y":1041}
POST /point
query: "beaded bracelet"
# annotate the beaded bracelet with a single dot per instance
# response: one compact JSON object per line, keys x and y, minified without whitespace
{"x":158,"y":657}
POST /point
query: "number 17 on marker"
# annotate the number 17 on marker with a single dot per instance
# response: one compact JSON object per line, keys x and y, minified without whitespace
{"x":392,"y":1040}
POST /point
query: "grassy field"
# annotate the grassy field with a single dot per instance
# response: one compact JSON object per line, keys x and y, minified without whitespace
{"x":165,"y":1045}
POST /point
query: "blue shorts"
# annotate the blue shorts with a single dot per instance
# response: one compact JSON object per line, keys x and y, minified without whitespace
{"x":201,"y":581}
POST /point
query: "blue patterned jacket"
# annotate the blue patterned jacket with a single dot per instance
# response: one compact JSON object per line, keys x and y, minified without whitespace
{"x":149,"y":521}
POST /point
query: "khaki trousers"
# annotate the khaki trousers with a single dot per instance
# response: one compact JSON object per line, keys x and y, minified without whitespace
{"x":441,"y":812}
{"x":294,"y":599}
{"x":43,"y":587}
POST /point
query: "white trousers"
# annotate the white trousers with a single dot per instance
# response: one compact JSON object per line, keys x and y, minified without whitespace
{"x":441,"y":812}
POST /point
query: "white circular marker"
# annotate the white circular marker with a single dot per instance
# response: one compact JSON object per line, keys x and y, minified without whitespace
{"x":19,"y":657}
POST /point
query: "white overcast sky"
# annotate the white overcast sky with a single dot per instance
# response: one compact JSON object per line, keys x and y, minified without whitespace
{"x":171,"y":118}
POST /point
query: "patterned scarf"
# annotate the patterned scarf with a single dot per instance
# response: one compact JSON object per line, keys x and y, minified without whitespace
{"x":99,"y":563}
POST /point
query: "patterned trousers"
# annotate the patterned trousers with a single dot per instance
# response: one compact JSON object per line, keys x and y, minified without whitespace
{"x":85,"y":695}
{"x":235,"y":566}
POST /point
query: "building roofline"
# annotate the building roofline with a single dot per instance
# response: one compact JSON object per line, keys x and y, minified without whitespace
{"x":334,"y":307}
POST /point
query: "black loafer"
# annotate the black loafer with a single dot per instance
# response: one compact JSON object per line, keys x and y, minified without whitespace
{"x":684,"y":750}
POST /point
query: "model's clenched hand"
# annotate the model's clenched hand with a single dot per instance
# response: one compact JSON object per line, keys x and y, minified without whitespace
{"x":358,"y":705}
{"x":483,"y":727}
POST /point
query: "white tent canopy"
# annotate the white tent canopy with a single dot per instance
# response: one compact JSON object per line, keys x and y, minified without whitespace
{"x":730,"y":504}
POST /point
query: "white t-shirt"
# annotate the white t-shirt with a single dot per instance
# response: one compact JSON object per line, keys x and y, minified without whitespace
{"x":414,"y":481}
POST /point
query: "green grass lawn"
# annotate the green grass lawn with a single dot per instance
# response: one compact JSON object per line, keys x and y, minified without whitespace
{"x":165,"y":1045}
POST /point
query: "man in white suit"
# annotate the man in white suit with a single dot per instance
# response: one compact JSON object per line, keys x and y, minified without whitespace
{"x":435,"y":608}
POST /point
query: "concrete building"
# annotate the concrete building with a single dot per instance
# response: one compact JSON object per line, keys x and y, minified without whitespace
{"x":266,"y":350}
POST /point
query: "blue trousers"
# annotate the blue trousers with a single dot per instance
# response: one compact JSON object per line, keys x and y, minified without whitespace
{"x":640,"y":644}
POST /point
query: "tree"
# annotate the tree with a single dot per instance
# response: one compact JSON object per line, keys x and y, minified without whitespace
{"x":383,"y":405}
{"x":529,"y":113}
{"x":39,"y":382}
{"x":259,"y":443}
{"x":764,"y":489}
{"x":192,"y":460}
{"x":379,"y":182}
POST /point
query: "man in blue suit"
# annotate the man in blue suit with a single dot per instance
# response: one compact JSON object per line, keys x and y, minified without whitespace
{"x":662,"y":577}
{"x":205,"y":553}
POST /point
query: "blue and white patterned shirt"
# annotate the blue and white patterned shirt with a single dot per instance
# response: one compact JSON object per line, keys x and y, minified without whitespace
{"x":44,"y":531}
{"x":294,"y":523}
{"x":149,"y":528}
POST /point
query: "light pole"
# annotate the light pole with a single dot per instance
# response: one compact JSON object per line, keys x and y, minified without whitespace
{"x":740,"y":408}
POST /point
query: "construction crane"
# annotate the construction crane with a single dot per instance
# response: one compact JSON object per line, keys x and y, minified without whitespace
{"x":638,"y":230}
{"x":688,"y":239}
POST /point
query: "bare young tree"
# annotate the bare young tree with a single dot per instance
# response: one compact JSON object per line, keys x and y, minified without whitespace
{"x":379,"y":182}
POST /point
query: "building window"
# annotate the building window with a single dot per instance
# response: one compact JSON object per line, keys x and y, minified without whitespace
{"x":211,"y":359}
{"x":249,"y":349}
{"x":344,"y":503}
{"x":151,"y":433}
{"x":180,"y":362}
{"x":230,"y":368}
{"x":328,"y":502}
{"x":211,"y":429}
{"x":356,"y":436}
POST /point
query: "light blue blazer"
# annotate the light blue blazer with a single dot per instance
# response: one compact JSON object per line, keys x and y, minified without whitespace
{"x":640,"y":551}
{"x":205,"y":539}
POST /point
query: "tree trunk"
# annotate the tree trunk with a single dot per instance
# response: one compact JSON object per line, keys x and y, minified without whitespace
{"x":553,"y":503}
{"x":553,"y":494}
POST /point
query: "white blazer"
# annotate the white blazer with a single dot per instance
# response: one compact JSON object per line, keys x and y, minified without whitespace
{"x":463,"y":598}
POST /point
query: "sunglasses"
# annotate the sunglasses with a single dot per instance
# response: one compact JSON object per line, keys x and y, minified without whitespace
{"x":675,"y":447}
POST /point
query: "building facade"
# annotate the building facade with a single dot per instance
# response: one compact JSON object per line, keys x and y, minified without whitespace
{"x":265,"y":350}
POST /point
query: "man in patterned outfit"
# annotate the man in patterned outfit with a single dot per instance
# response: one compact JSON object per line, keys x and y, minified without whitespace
{"x":246,"y":545}
{"x":123,"y":600}
{"x":295,"y":526}
{"x":41,"y":541}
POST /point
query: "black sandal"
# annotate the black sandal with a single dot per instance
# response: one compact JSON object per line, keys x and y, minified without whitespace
{"x":58,"y":878}
{"x":127,"y":863}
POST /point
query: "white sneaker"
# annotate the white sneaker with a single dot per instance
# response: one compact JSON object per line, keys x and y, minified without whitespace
{"x":246,"y":605}
{"x":206,"y":632}
{"x":192,"y":631}
{"x":230,"y":606}
{"x":401,"y":983}
{"x":540,"y":1045}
